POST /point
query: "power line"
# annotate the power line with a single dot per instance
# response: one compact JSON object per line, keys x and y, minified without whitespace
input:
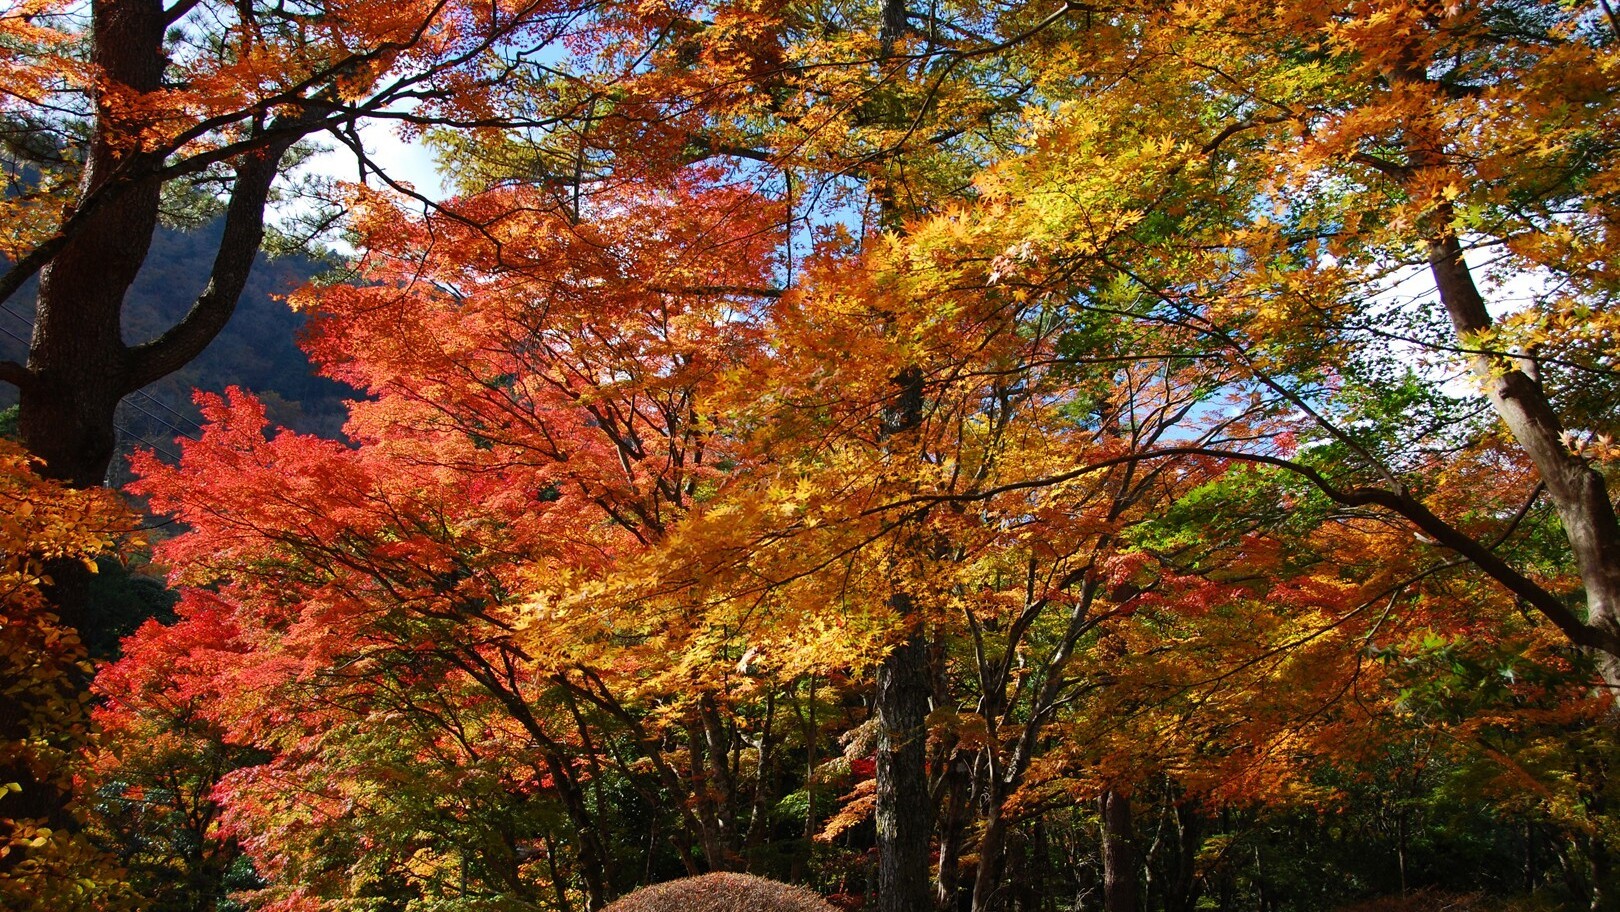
{"x":148,"y":397}
{"x":19,"y":316}
{"x":159,"y":419}
{"x":138,"y":438}
{"x":12,"y":334}
{"x":116,"y":426}
{"x":167,"y":408}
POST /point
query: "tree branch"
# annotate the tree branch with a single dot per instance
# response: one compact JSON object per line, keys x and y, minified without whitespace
{"x":1551,"y":606}
{"x":15,"y":374}
{"x":244,"y":229}
{"x":1384,"y":166}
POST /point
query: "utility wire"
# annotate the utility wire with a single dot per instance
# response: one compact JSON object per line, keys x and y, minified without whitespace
{"x":167,"y":408}
{"x":116,"y":426}
{"x":160,"y":420}
{"x":12,"y":334}
{"x":148,"y":397}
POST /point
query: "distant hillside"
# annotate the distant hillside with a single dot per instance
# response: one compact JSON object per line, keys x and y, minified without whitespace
{"x":258,"y":350}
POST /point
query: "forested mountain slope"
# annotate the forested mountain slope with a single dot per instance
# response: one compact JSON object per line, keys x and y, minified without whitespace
{"x":257,"y":351}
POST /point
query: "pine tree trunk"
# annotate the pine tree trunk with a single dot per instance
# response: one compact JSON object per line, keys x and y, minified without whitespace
{"x":77,"y":360}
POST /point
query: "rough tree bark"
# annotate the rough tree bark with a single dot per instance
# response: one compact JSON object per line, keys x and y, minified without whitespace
{"x":1120,"y":890}
{"x":904,"y":812}
{"x":78,"y":364}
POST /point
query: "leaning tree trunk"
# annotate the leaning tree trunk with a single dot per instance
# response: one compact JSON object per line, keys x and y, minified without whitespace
{"x":1576,"y":489}
{"x":1513,"y":386}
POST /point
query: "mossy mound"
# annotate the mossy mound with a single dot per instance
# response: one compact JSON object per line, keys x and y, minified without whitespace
{"x":721,"y":892}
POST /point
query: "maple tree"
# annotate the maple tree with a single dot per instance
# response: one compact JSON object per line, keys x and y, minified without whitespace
{"x":516,"y":446}
{"x":1215,"y":233}
{"x":185,"y":99}
{"x":1025,"y":397}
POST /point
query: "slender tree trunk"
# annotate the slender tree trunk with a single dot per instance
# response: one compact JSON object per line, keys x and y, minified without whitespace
{"x":1400,"y":847}
{"x":557,"y":882}
{"x":1575,"y":487}
{"x":764,"y":784}
{"x":1600,"y":873}
{"x":952,"y":828}
{"x":1513,"y":387}
{"x":1120,"y":889}
{"x":1042,"y":850}
{"x":811,"y":732}
{"x":1185,"y":889}
{"x":720,"y":786}
{"x":710,"y":833}
{"x":592,"y":854}
{"x":1530,"y":872}
{"x":988,"y":880}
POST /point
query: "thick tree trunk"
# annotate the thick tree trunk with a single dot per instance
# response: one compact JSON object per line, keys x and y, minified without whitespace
{"x":77,"y":367}
{"x":904,"y":812}
{"x":77,"y":362}
{"x":1120,"y":890}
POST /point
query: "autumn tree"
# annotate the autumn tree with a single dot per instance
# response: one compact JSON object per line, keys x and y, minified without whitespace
{"x":43,"y":667}
{"x":1173,"y":487}
{"x":1397,"y":161}
{"x":519,"y":448}
{"x":199,"y":99}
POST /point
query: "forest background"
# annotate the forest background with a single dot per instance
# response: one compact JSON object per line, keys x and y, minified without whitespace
{"x":979,"y":456}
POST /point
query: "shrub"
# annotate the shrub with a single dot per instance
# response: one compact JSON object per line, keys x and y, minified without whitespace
{"x":721,"y":893}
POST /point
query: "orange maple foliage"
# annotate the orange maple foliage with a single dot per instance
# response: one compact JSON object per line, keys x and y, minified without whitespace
{"x":43,"y":863}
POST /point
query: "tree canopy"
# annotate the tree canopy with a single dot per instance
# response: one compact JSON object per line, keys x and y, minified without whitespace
{"x":1012,"y":456}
